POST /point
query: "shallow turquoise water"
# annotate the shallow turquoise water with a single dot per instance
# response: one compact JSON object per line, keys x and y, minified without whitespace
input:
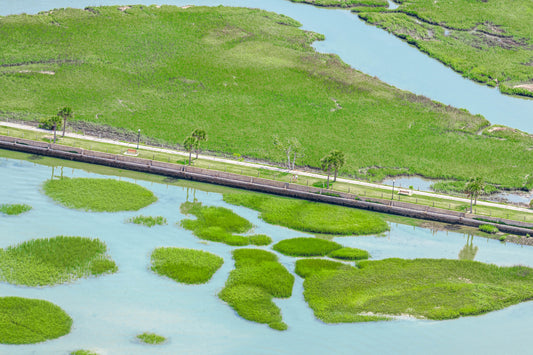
{"x":366,"y":48}
{"x":109,"y":311}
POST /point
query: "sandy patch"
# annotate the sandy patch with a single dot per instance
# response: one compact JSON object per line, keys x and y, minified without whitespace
{"x":46,"y":72}
{"x":186,"y":6}
{"x":124,"y":8}
{"x":528,"y":87}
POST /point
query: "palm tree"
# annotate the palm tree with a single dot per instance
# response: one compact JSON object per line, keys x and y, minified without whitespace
{"x":338,"y":161}
{"x":65,"y":113}
{"x":326,"y":164}
{"x":473,"y":188}
{"x":190,"y":143}
{"x":200,"y":135}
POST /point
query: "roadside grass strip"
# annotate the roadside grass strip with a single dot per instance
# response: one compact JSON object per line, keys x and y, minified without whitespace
{"x":151,"y":338}
{"x":219,"y":224}
{"x":29,"y":321}
{"x":309,"y":216}
{"x":98,"y":195}
{"x":256,"y":279}
{"x":52,"y":261}
{"x":422,"y":288}
{"x":148,"y":221}
{"x":185,"y":265}
{"x":14,"y":209}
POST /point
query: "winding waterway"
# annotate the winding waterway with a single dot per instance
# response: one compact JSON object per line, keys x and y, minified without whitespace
{"x":109,"y":311}
{"x":365,"y":48}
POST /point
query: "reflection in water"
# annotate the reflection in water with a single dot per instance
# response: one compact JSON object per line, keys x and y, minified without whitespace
{"x":469,"y":251}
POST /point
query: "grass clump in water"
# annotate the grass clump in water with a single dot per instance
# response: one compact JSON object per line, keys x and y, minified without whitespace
{"x":219,"y":224}
{"x":310,"y":216}
{"x":422,"y":288}
{"x":148,"y":221}
{"x":306,"y":267}
{"x":99,"y":195}
{"x":257,"y":278}
{"x":185,"y":265}
{"x":306,"y":247}
{"x":29,"y":321}
{"x":151,"y":338}
{"x":349,"y":254}
{"x":488,"y":228}
{"x":14,"y":209}
{"x":52,"y":261}
{"x":83,"y":352}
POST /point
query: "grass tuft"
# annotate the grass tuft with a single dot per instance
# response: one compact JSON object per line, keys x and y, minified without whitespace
{"x":185,"y":265}
{"x":83,"y":352}
{"x":14,"y":209}
{"x":151,"y":338}
{"x":148,"y":221}
{"x":488,"y":228}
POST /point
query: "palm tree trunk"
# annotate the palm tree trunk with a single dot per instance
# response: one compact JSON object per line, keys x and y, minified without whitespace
{"x":190,"y":154}
{"x":335,"y":176}
{"x":327,"y":186}
{"x":64,"y":125}
{"x":54,"y":134}
{"x":197,"y":150}
{"x":471,"y":199}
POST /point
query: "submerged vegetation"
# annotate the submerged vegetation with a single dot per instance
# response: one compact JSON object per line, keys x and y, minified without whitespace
{"x":40,"y":262}
{"x":309,"y":216}
{"x":185,"y":265}
{"x":148,"y":221}
{"x":29,"y":321}
{"x":422,"y":288}
{"x":14,"y":209}
{"x":257,"y":278}
{"x":151,"y":338}
{"x":127,"y":67}
{"x":98,"y":195}
{"x":219,"y":224}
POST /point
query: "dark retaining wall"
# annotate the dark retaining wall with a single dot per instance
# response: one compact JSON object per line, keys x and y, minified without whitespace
{"x":258,"y":184}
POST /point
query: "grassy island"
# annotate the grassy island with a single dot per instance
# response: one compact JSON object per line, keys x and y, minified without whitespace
{"x":219,"y":224}
{"x":41,"y":262}
{"x":151,"y":338}
{"x":14,"y":209}
{"x":29,"y":321}
{"x":148,"y":221}
{"x":247,"y":74}
{"x":306,"y":247}
{"x":257,"y":278}
{"x":99,"y":195}
{"x":185,"y":265}
{"x":83,"y":352}
{"x":309,"y":216}
{"x":421,"y":288}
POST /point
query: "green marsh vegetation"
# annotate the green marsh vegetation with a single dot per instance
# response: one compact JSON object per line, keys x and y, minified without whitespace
{"x":309,"y":216}
{"x":151,"y":338}
{"x":344,"y":3}
{"x":349,"y":254}
{"x":219,"y":224}
{"x":486,"y":41}
{"x":256,"y":279}
{"x":246,"y":71}
{"x":306,"y":267}
{"x":185,"y":265}
{"x":318,"y":247}
{"x":83,"y":352}
{"x":148,"y":221}
{"x":489,"y":228}
{"x":29,"y":321}
{"x":52,"y":261}
{"x":98,"y":195}
{"x":421,"y":288}
{"x":14,"y":209}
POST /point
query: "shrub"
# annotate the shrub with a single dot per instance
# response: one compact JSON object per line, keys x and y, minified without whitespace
{"x":306,"y":247}
{"x":48,"y":123}
{"x":502,"y":238}
{"x":488,"y":228}
{"x":349,"y":254}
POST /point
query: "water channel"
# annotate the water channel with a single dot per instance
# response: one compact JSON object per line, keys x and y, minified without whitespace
{"x":109,"y":311}
{"x":364,"y":47}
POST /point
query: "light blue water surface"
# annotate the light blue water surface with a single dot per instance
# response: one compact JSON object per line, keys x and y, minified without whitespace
{"x":364,"y":47}
{"x":109,"y":311}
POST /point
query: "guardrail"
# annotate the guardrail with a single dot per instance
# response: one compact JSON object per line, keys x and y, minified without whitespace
{"x":261,"y":184}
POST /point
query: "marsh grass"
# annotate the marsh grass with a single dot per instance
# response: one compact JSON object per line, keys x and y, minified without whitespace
{"x":489,"y":228}
{"x":306,"y":247}
{"x":349,"y":254}
{"x":51,"y":261}
{"x":422,"y":288}
{"x":185,"y":265}
{"x":14,"y":209}
{"x":256,"y":279}
{"x":219,"y":224}
{"x":151,"y":338}
{"x":83,"y":352}
{"x":148,"y":221}
{"x":306,"y":267}
{"x":309,"y":216}
{"x":98,"y":195}
{"x":29,"y":321}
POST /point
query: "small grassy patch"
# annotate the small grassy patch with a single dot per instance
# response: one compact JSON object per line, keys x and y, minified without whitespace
{"x":349,"y":254}
{"x":52,"y":261}
{"x":29,"y":321}
{"x":148,"y":221}
{"x":151,"y":338}
{"x":257,"y":278}
{"x":219,"y":224}
{"x":422,"y":288}
{"x":310,"y":216}
{"x":489,"y":228}
{"x":83,"y":352}
{"x":14,"y":209}
{"x":306,"y":247}
{"x":185,"y":265}
{"x":99,"y":195}
{"x":306,"y":267}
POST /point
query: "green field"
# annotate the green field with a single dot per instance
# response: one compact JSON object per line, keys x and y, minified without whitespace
{"x":243,"y":75}
{"x":421,"y":288}
{"x":487,"y":41}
